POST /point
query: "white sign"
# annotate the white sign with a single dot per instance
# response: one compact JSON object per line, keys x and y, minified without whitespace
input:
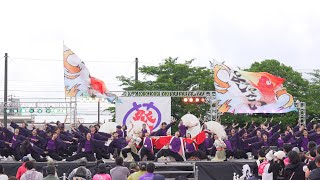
{"x":135,"y":111}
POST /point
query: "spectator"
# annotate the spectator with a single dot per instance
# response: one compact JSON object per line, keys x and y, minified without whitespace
{"x":51,"y":171}
{"x":133,"y":167}
{"x":312,"y":165}
{"x":95,"y":171}
{"x":142,"y":171}
{"x":294,"y":170}
{"x":149,"y":175}
{"x":2,"y":175}
{"x":22,"y":169}
{"x":160,"y":177}
{"x":277,"y":165}
{"x":102,"y":173}
{"x":82,"y":164}
{"x":31,"y":173}
{"x":80,"y":174}
{"x":315,"y":174}
{"x":119,"y":172}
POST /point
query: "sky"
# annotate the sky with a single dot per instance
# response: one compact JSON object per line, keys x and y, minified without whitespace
{"x":109,"y":35}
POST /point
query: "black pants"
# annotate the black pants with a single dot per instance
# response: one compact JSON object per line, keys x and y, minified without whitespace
{"x":101,"y":153}
{"x":199,"y":154}
{"x":125,"y":152}
{"x":88,"y":155}
{"x":38,"y":158}
{"x":144,"y":151}
{"x":16,"y":153}
{"x":167,"y":152}
{"x":54,"y":155}
{"x":229,"y":153}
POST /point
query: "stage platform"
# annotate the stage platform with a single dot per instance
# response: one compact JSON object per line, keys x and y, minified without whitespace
{"x":191,"y":169}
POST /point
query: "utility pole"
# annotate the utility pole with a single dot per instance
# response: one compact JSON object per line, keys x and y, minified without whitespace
{"x":136,"y":70}
{"x":5,"y":115}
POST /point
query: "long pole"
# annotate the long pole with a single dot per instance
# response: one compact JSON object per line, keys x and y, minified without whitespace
{"x":99,"y":112}
{"x":136,"y":70}
{"x":5,"y":115}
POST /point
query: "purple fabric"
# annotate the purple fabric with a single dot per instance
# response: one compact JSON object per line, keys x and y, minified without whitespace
{"x":175,"y":144}
{"x":144,"y":131}
{"x":87,"y":146}
{"x":147,"y":143}
{"x":190,"y":147}
{"x":304,"y":143}
{"x":183,"y":130}
{"x":120,"y":133}
{"x":147,"y":176}
{"x":280,"y":143}
{"x":208,"y":143}
{"x":51,"y":145}
{"x":228,"y":144}
{"x":14,"y":141}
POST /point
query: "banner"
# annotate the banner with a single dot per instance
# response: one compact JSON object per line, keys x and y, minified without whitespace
{"x":135,"y":111}
{"x":250,"y":92}
{"x":79,"y":82}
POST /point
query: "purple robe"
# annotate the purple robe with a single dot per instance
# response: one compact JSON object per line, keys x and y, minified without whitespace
{"x":228,"y":144}
{"x":190,"y":147}
{"x":120,"y":133}
{"x":144,"y":131}
{"x":208,"y":143}
{"x":51,"y":145}
{"x":183,"y":130}
{"x":87,"y":147}
{"x":175,"y":144}
{"x":304,"y":143}
{"x":280,"y":143}
{"x":147,"y":143}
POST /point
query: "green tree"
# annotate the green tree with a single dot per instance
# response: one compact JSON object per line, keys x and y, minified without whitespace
{"x":313,"y":101}
{"x":173,"y":76}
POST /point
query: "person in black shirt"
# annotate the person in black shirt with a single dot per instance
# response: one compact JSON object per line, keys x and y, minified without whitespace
{"x":315,"y":174}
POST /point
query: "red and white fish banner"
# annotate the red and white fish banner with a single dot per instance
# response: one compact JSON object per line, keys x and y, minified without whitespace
{"x":135,"y":111}
{"x":250,"y":92}
{"x":79,"y":82}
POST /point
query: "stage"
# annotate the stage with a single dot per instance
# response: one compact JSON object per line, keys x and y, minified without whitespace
{"x":202,"y":170}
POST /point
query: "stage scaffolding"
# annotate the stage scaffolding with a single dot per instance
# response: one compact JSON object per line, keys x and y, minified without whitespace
{"x":70,"y":103}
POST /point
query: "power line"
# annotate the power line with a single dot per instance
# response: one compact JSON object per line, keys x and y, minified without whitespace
{"x":61,"y":60}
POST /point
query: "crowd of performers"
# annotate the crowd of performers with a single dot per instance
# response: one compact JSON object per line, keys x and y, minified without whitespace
{"x":56,"y":142}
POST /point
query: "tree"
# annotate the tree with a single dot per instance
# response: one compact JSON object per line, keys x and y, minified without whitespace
{"x":173,"y":76}
{"x":313,"y":101}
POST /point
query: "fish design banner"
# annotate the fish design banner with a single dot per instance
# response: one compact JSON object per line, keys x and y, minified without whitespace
{"x":250,"y":92}
{"x":79,"y":82}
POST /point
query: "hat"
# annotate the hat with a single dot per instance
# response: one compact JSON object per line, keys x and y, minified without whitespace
{"x":118,"y":127}
{"x":279,"y":154}
{"x":269,"y":155}
{"x":25,"y":159}
{"x":296,"y":149}
{"x":158,"y":177}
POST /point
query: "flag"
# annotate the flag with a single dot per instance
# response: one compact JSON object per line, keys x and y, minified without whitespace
{"x":79,"y":82}
{"x":250,"y":92}
{"x":161,"y":141}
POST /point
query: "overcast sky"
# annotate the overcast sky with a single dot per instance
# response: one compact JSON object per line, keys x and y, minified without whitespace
{"x":108,"y":35}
